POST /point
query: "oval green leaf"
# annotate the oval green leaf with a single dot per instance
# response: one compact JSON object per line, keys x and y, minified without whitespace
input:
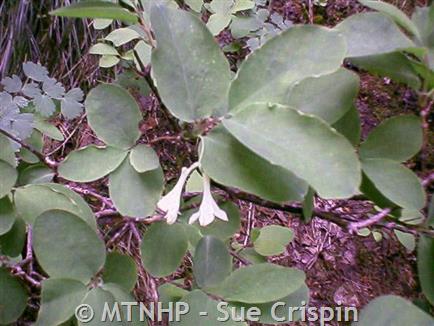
{"x":32,"y":200}
{"x":225,"y":160}
{"x":394,"y":13}
{"x":114,"y":115}
{"x":328,"y":97}
{"x":372,"y":33}
{"x":290,"y":139}
{"x":12,"y":242}
{"x":272,"y":240}
{"x":7,"y":215}
{"x":135,"y":194}
{"x":59,"y":299}
{"x":120,"y":269}
{"x":78,"y":254}
{"x":203,"y":311}
{"x":212,"y":262}
{"x":260,"y":283}
{"x":425,"y":266}
{"x":96,"y":9}
{"x":8,"y":178}
{"x":298,"y":53}
{"x":282,"y":311}
{"x":202,"y":76}
{"x":13,"y":298}
{"x":163,"y":248}
{"x":143,"y":158}
{"x":397,"y":139}
{"x":395,"y":182}
{"x":393,"y":310}
{"x":91,"y":163}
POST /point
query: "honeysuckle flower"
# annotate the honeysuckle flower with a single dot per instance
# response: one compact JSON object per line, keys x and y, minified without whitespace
{"x":208,"y":209}
{"x":171,"y":202}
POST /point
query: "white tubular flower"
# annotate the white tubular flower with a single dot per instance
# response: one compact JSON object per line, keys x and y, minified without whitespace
{"x":208,"y":209}
{"x":171,"y":202}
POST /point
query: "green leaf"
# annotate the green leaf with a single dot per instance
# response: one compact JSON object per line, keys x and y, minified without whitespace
{"x":228,"y":162}
{"x":260,"y":283}
{"x":108,"y":61}
{"x":35,"y":71}
{"x":349,"y":126}
{"x":425,"y":263}
{"x":397,"y":183}
{"x":195,"y":5}
{"x":288,"y":138}
{"x":36,"y":142}
{"x":101,"y":23}
{"x":328,"y":97}
{"x":143,"y":52}
{"x":194,"y":182}
{"x":114,"y":115}
{"x":203,"y":311}
{"x":7,"y":153}
{"x":98,"y":298}
{"x":218,"y":22}
{"x":143,"y":158}
{"x":163,"y":248}
{"x":297,"y":299}
{"x":120,"y":269}
{"x":33,"y":200}
{"x":212,"y":262}
{"x":398,"y":139}
{"x":372,"y":33}
{"x":59,"y":299}
{"x":241,"y":5}
{"x":36,"y":174}
{"x":394,"y":13}
{"x":393,"y":310}
{"x":13,"y":298}
{"x":272,"y":240}
{"x":12,"y":242}
{"x":298,"y":53}
{"x":406,"y":239}
{"x":71,"y":106}
{"x":423,"y":18}
{"x":91,"y":163}
{"x":202,"y":76}
{"x":103,"y":49}
{"x":252,"y":256}
{"x":130,"y":316}
{"x":395,"y":65}
{"x":47,"y":129}
{"x":430,"y":217}
{"x":308,"y":205}
{"x":78,"y":254}
{"x":8,"y":178}
{"x":170,"y":293}
{"x":135,"y":194}
{"x":7,"y":215}
{"x":96,"y":9}
{"x":133,"y":83}
{"x":122,"y":36}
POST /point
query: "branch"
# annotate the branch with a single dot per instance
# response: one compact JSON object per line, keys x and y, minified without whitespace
{"x":356,"y":226}
{"x":46,"y":160}
{"x":341,"y":220}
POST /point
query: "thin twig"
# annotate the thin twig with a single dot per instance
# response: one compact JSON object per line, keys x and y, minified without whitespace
{"x":43,"y":158}
{"x":354,"y":227}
